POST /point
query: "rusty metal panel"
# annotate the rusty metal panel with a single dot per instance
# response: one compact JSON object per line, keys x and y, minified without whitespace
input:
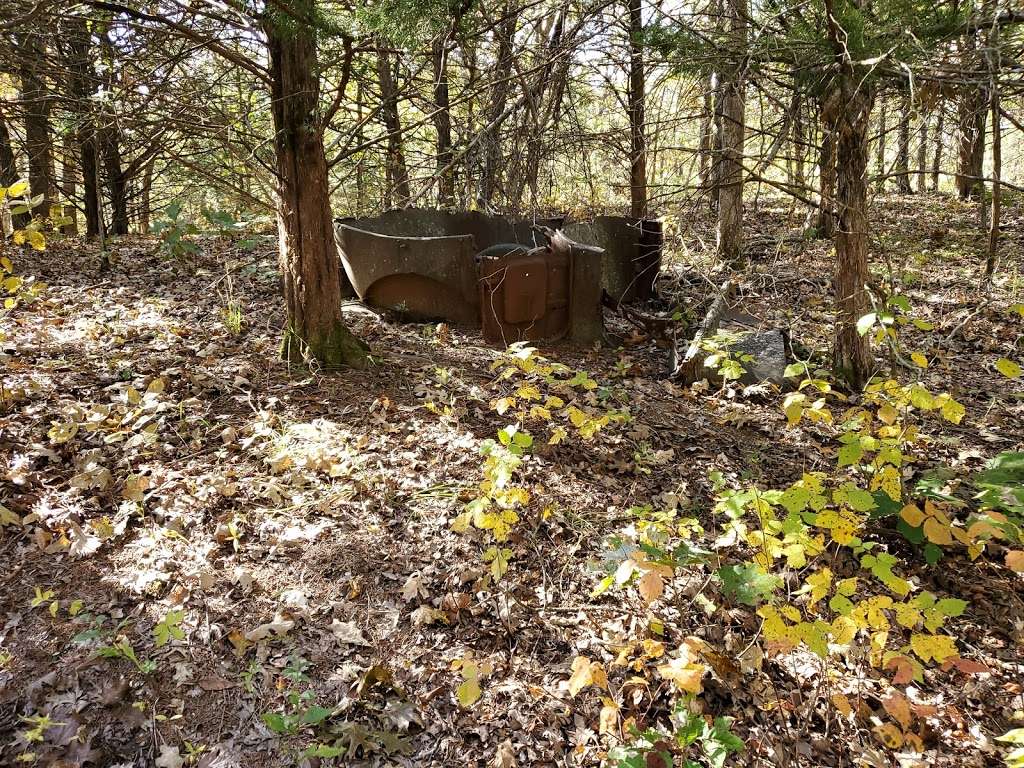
{"x":525,"y":297}
{"x":525,"y":290}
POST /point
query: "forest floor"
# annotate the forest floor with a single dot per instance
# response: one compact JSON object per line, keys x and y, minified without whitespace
{"x":212,"y":560}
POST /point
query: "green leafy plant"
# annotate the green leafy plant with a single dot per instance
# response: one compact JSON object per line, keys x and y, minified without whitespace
{"x":174,"y":233}
{"x":169,"y":628}
{"x":122,"y":649}
{"x":691,"y":732}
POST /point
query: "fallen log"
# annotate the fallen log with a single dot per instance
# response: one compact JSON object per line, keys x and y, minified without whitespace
{"x":688,"y":368}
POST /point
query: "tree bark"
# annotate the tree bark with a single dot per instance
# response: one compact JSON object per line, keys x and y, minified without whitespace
{"x":971,"y":127}
{"x":116,"y":183}
{"x":397,"y":171}
{"x":826,"y":222}
{"x":308,"y":259}
{"x":730,"y":201}
{"x":922,"y":152}
{"x":443,"y":125}
{"x":937,"y":157}
{"x":70,"y":184}
{"x":82,"y":84}
{"x":880,"y":148}
{"x":903,"y":149}
{"x":637,"y":127}
{"x":995,"y":209}
{"x":490,"y":141}
{"x":9,"y":171}
{"x":38,"y":140}
{"x":850,"y":118}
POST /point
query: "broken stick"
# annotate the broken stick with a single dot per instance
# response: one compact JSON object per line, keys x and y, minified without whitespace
{"x":688,"y":368}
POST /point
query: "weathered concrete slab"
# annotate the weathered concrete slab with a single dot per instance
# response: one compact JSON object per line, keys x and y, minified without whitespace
{"x":632,"y":253}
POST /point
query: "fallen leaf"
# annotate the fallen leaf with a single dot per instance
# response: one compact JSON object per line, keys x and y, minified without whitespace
{"x":504,"y":756}
{"x":347,"y":632}
{"x":215,"y":683}
{"x":169,"y":757}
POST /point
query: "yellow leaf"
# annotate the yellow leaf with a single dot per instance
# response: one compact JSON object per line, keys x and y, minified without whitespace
{"x":683,"y":673}
{"x":938,"y":647}
{"x":889,"y":735}
{"x":912,"y":515}
{"x":609,"y":716}
{"x":1008,"y":368}
{"x":36,"y":240}
{"x":576,"y":416}
{"x":919,"y":360}
{"x":528,"y":392}
{"x":888,"y":479}
{"x":469,"y":692}
{"x":651,"y":586}
{"x":887,"y":414}
{"x":1015,"y":560}
{"x":7,"y":517}
{"x":819,"y":584}
{"x":842,"y":704}
{"x":582,"y":675}
{"x":17,"y":189}
{"x":898,"y":707}
{"x":937,"y":533}
{"x":461,"y":523}
{"x":952,"y":411}
{"x":907,"y":615}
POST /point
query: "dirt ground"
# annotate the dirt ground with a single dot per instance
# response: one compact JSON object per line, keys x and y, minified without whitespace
{"x":301,"y":523}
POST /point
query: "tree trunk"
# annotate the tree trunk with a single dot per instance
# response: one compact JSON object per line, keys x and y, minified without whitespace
{"x":730,"y":201}
{"x":443,"y":125}
{"x":797,"y":144}
{"x":995,"y":209}
{"x":826,"y":221}
{"x":922,"y":152}
{"x":308,"y":259}
{"x":70,"y":183}
{"x":145,"y":203}
{"x":971,"y":128}
{"x":9,"y":171}
{"x":903,"y":149}
{"x":82,"y":84}
{"x":850,"y":117}
{"x":397,"y":171}
{"x":880,"y":148}
{"x":490,"y":141}
{"x":937,"y":157}
{"x":637,"y":128}
{"x":116,"y":184}
{"x":38,"y":140}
